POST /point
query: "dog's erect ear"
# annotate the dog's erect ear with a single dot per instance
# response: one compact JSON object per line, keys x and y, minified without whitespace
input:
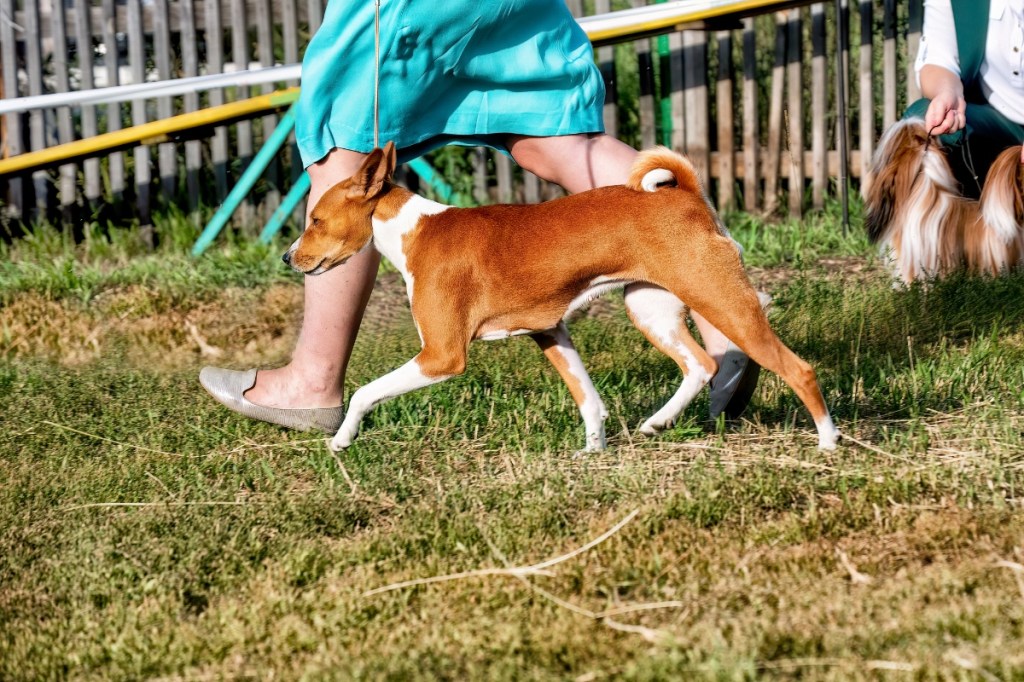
{"x":376,"y":170}
{"x":390,"y":158}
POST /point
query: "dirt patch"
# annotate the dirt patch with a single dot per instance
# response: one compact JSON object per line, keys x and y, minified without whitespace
{"x":849,"y":268}
{"x":129,"y":323}
{"x":240,"y":326}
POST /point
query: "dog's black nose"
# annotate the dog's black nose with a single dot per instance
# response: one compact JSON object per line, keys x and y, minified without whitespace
{"x":287,"y":258}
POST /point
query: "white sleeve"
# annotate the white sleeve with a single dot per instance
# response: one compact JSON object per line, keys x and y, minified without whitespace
{"x":938,"y":39}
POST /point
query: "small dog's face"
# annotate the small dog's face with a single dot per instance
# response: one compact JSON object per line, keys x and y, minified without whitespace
{"x":340,"y":224}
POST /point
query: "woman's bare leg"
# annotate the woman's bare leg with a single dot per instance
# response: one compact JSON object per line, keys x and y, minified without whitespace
{"x":582,"y":162}
{"x":333,"y":308}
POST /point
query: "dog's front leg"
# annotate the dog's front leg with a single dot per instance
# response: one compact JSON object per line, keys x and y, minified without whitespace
{"x":408,"y":377}
{"x":560,"y":351}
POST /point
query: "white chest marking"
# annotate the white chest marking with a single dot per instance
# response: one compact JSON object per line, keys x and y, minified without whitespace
{"x":388,"y":234}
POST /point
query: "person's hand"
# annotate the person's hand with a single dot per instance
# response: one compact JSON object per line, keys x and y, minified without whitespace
{"x":1022,"y":154}
{"x":947,"y":113}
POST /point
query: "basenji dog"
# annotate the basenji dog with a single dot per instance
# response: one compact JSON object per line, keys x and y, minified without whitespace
{"x":497,"y":271}
{"x":923,"y":225}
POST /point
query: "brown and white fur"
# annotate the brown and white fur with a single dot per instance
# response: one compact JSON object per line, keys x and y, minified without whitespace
{"x":923,"y":224}
{"x":498,"y":271}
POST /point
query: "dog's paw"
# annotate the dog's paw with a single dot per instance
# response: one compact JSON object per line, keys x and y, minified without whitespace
{"x":587,"y":451}
{"x":343,"y":438}
{"x":829,"y":441}
{"x":654,"y":426}
{"x":594,"y":444}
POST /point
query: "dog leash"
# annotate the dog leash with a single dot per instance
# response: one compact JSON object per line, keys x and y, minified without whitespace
{"x":928,"y":140}
{"x":376,"y":73}
{"x":965,"y":154}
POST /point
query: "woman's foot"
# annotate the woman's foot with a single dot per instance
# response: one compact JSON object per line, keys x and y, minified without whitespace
{"x":230,"y":387}
{"x":286,"y":387}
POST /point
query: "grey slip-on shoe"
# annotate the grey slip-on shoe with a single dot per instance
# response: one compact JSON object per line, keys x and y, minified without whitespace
{"x":734,"y":383}
{"x":228,"y":387}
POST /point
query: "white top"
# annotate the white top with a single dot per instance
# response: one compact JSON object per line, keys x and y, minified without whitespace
{"x":1002,"y":69}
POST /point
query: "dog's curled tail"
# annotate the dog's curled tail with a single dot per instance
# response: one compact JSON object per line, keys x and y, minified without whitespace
{"x":661,"y":167}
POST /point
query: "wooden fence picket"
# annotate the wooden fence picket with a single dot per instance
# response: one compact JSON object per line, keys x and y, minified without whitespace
{"x":141,"y":169}
{"x":795,"y":103}
{"x":751,"y":120}
{"x":889,"y":75}
{"x":37,"y":118}
{"x":190,"y":102}
{"x":83,"y":39}
{"x":215,"y":64}
{"x":10,"y":127}
{"x":725,"y":120}
{"x":698,"y":132}
{"x":819,"y":106}
{"x":775,"y":117}
{"x":265,"y":40}
{"x":866,"y":109}
{"x":606,"y":62}
{"x":112,"y":68}
{"x":167,"y":153}
{"x":68,"y":172}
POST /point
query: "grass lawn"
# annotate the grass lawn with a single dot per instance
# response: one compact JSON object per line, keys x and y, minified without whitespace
{"x":146,"y":532}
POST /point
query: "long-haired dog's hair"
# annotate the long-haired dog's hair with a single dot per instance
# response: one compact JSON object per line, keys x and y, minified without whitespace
{"x":927,"y":229}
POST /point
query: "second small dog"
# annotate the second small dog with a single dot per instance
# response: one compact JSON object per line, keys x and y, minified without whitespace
{"x":498,"y":271}
{"x":923,"y":224}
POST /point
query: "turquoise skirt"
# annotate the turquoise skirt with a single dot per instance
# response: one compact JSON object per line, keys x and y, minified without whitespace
{"x":451,"y":72}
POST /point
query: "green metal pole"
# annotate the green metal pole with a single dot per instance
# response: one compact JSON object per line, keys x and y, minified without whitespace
{"x":664,"y":75}
{"x":291,"y":200}
{"x":444,"y":191}
{"x":249,"y":178}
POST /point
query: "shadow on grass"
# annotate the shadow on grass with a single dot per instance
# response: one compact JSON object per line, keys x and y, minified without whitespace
{"x":905,"y":349}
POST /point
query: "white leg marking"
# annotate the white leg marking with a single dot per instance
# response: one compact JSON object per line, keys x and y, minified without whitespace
{"x":828,"y":434}
{"x":592,"y":408}
{"x":406,"y":378}
{"x":660,"y":313}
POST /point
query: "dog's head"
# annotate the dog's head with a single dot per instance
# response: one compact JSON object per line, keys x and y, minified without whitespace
{"x":896,"y":168}
{"x":339,"y":226}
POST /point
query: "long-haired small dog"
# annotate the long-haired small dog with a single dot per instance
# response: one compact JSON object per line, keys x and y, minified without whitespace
{"x":927,"y":229}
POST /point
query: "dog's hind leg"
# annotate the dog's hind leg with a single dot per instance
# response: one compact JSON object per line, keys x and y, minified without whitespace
{"x":733,"y":307}
{"x":560,"y":351}
{"x":661,"y":316}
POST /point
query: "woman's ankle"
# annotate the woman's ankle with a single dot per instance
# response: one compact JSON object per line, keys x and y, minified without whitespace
{"x":291,"y":387}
